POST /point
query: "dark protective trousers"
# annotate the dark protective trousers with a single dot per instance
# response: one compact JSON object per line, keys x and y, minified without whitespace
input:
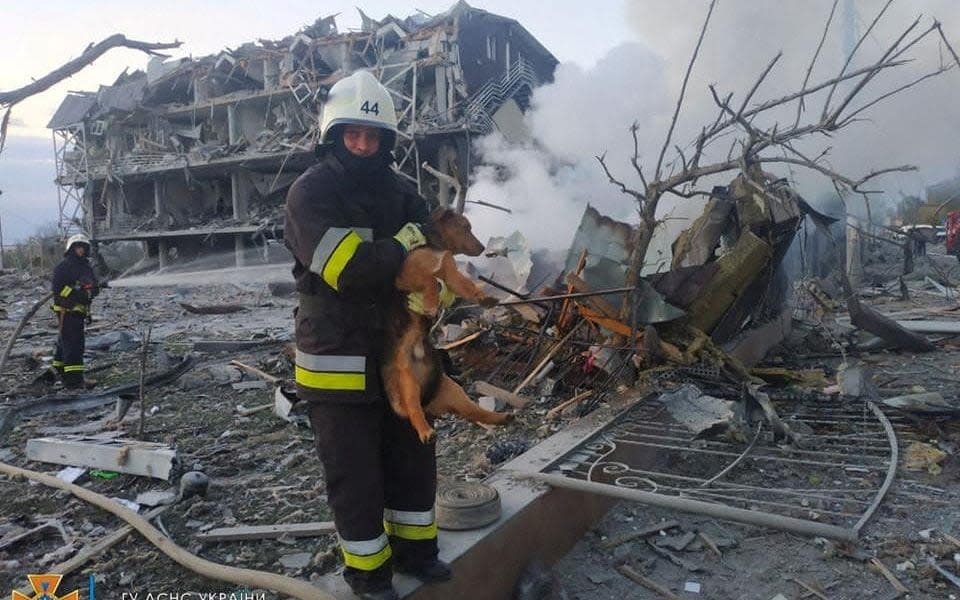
{"x":68,"y":355}
{"x":381,"y":481}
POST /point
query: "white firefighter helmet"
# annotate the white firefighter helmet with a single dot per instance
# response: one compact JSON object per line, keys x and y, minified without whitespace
{"x":78,"y":238}
{"x":358,"y":100}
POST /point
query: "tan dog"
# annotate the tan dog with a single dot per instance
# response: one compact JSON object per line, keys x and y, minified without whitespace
{"x":413,"y":369}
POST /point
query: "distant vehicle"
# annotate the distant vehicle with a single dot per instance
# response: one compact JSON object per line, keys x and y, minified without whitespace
{"x":952,"y":226}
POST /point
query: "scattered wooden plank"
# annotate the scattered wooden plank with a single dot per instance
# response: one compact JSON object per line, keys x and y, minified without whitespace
{"x":246,"y":412}
{"x":213,"y":309}
{"x":554,"y":412}
{"x":644,"y":532}
{"x":811,"y":589}
{"x":486,"y":389}
{"x":901,"y":589}
{"x":267,"y":532}
{"x":261,"y":374}
{"x":709,"y":543}
{"x":683,"y":564}
{"x":126,"y":456}
{"x":553,"y":351}
{"x":462,"y":341}
{"x":646,"y":582}
{"x":598,"y":302}
{"x":94,"y":550}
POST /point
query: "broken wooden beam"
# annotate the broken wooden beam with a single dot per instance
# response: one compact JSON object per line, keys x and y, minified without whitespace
{"x":554,"y":412}
{"x":259,"y":373}
{"x":212,"y":309}
{"x":267,"y":532}
{"x":126,"y":456}
{"x":889,"y":576}
{"x":640,"y":533}
{"x":646,"y":582}
{"x":486,"y":389}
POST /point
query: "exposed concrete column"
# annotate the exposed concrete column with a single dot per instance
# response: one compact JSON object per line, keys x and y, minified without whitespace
{"x":238,"y":194}
{"x":271,"y":73}
{"x":854,"y":266}
{"x":162,"y":252}
{"x":159,"y":210}
{"x":441,"y":78}
{"x":233,"y":127}
{"x":239,"y":249}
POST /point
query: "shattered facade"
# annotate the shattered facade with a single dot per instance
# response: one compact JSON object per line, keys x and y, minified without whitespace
{"x":196,"y":154}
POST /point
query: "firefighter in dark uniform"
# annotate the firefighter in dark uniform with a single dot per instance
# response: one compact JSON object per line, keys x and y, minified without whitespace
{"x":350,"y":221}
{"x":74,"y":288}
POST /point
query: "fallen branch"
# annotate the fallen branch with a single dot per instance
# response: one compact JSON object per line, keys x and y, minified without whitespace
{"x":203,"y":567}
{"x":90,"y":54}
{"x":23,"y":322}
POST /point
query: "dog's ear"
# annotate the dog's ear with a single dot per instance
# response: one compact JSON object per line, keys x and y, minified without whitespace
{"x":441,"y":214}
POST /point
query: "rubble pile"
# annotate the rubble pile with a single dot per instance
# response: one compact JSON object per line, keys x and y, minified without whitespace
{"x":729,"y":354}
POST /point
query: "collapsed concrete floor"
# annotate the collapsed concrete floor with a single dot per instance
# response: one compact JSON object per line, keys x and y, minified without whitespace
{"x":263,"y":470}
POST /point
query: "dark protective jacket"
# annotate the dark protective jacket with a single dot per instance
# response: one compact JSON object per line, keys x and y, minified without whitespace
{"x":339,"y":228}
{"x":74,"y":285}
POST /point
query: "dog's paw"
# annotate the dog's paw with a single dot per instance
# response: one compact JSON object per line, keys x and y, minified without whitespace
{"x":427,"y":436}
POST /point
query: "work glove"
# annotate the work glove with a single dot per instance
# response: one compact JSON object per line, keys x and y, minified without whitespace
{"x":415,"y":299}
{"x":410,"y":237}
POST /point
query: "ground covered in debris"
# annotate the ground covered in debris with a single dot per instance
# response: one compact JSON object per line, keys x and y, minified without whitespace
{"x":263,"y":469}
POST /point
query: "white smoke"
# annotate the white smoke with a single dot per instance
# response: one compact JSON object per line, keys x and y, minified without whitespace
{"x":588,"y":112}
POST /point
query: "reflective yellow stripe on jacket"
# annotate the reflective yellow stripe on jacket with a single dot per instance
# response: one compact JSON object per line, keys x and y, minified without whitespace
{"x":331,"y":372}
{"x":336,"y":248}
{"x":366,"y":555}
{"x":410,"y":525}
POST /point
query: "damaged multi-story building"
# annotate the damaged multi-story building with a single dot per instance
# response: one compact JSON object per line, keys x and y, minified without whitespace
{"x":195,"y":155}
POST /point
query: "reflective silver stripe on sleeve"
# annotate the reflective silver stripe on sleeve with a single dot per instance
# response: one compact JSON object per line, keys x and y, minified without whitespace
{"x":408,"y":517}
{"x":365,"y":233}
{"x":328,"y":243}
{"x":365,"y":547}
{"x":327,"y":362}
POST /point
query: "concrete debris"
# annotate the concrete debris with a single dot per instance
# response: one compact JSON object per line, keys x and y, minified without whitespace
{"x":156,"y":498}
{"x":697,"y":412}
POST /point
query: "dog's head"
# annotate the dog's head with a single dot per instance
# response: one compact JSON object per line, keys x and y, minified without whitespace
{"x":451,"y":231}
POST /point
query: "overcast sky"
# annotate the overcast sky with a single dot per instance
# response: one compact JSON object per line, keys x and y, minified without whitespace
{"x":597,"y":40}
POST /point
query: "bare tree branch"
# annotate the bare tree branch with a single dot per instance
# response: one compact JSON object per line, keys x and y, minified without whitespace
{"x":813,"y":61}
{"x":756,"y":85}
{"x":683,"y":90}
{"x":635,"y":159}
{"x":947,"y":42}
{"x":876,"y":19}
{"x":851,"y":117}
{"x":92,"y":52}
{"x":623,"y":188}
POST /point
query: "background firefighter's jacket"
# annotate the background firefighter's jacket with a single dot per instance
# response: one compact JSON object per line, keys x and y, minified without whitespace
{"x":339,"y":228}
{"x":74,"y":285}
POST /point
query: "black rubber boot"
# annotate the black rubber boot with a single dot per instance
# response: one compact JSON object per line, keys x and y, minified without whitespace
{"x":429,"y":571}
